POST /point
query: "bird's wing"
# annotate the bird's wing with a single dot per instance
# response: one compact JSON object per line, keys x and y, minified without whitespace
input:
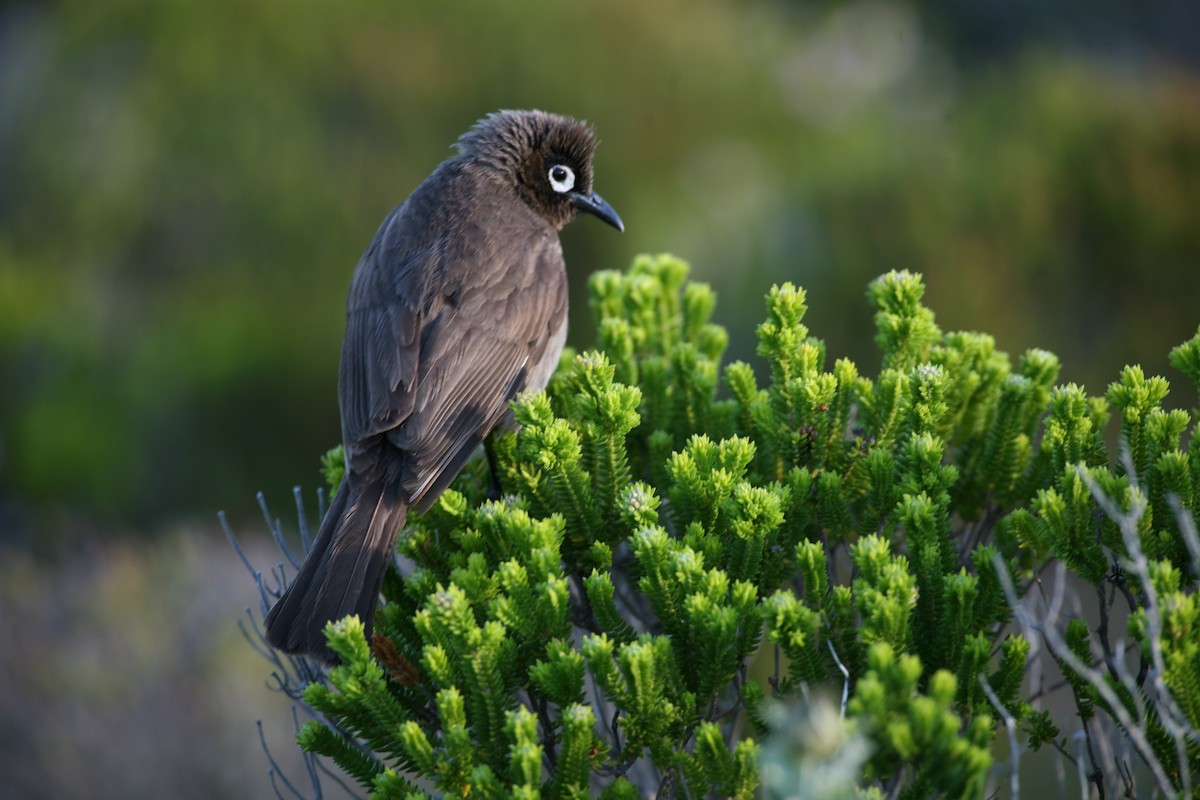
{"x":380,"y":354}
{"x":432,"y":378}
{"x":474,"y":359}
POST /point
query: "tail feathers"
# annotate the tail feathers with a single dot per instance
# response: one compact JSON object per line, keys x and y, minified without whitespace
{"x":343,"y":571}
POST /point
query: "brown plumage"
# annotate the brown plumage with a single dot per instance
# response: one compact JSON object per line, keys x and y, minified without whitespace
{"x":458,"y":304}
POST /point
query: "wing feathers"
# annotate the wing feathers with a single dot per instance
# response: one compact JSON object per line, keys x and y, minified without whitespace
{"x":438,"y":341}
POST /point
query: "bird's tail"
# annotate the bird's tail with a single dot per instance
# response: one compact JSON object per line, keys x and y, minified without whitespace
{"x":343,"y":571}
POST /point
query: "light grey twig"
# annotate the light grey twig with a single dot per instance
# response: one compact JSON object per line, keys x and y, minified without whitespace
{"x":1011,"y":725}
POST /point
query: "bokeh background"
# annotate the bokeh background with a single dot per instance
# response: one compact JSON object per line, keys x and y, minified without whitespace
{"x":186,"y":186}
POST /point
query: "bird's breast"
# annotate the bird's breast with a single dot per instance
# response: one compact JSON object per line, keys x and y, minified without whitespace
{"x":539,"y":374}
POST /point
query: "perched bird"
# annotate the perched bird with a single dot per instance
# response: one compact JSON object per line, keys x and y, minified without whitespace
{"x":458,"y":304}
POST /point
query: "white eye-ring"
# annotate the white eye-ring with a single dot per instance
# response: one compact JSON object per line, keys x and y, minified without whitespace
{"x":562,"y":179}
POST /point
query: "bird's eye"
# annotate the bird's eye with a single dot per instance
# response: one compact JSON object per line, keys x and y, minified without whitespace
{"x":562,"y":179}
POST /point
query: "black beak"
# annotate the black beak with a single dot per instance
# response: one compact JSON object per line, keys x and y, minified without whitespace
{"x":596,"y":205}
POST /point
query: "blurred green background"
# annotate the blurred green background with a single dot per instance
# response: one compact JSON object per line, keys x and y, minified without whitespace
{"x":185,"y":188}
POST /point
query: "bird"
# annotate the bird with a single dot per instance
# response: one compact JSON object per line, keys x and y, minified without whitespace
{"x":458,"y":304}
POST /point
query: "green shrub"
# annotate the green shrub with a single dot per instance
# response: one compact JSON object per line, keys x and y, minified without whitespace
{"x":689,"y":564}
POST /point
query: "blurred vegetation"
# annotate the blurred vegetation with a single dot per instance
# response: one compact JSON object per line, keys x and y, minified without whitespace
{"x":112,"y":675}
{"x":185,"y":188}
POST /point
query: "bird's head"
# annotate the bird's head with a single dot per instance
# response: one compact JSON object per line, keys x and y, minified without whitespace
{"x":548,"y":159}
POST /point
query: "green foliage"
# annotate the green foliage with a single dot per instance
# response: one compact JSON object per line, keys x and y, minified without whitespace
{"x":664,"y":563}
{"x":333,"y":467}
{"x":920,"y":731}
{"x":1186,"y":358}
{"x":906,"y":329}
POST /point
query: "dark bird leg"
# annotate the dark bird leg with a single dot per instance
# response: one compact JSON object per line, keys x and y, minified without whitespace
{"x":495,"y":491}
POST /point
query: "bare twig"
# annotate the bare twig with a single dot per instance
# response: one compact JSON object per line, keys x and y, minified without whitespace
{"x":845,"y":676}
{"x":275,"y":526}
{"x":1187,"y":529}
{"x":1058,"y":649}
{"x":1010,"y":725}
{"x":302,"y":519}
{"x":1083,"y":778}
{"x":1170,"y":715}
